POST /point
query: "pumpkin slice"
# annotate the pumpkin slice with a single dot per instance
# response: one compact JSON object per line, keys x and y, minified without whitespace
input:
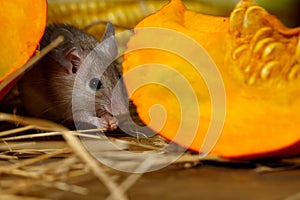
{"x":259,"y":61}
{"x":22,"y":26}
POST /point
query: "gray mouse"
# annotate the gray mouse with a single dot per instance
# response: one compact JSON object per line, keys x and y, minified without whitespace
{"x":79,"y":72}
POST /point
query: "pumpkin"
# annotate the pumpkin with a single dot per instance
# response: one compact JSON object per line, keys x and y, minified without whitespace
{"x":258,"y":59}
{"x":22,"y":26}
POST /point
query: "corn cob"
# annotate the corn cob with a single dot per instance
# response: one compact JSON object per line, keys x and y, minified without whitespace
{"x":125,"y":13}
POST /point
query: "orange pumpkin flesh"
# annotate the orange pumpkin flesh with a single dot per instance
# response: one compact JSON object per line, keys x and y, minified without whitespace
{"x":259,"y":60}
{"x":22,"y":26}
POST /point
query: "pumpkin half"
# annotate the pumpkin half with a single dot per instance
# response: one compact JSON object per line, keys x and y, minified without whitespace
{"x":258,"y":59}
{"x":22,"y":26}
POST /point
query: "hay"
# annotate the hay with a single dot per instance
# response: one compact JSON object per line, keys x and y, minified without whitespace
{"x":39,"y":168}
{"x":73,"y":159}
{"x":28,"y":166}
{"x":45,"y":176}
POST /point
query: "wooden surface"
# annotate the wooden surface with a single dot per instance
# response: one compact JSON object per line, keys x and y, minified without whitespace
{"x":208,"y":180}
{"x":205,"y":182}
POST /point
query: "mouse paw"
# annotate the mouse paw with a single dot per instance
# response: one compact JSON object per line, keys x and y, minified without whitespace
{"x":108,"y":122}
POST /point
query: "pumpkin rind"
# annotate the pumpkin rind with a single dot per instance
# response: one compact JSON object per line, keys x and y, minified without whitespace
{"x":258,"y":58}
{"x":22,"y":26}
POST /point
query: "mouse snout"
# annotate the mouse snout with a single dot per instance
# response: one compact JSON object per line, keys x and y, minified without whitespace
{"x":119,"y":103}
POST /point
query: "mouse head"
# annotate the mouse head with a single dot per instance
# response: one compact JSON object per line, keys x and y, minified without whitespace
{"x":76,"y":45}
{"x":89,"y":66}
{"x":99,"y":75}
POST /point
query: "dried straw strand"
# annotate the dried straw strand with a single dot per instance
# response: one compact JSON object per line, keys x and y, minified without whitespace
{"x":8,"y":169}
{"x":15,"y":197}
{"x":99,"y":172}
{"x":16,"y":130}
{"x":31,"y":62}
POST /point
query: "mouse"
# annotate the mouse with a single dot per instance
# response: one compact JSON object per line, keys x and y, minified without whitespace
{"x":78,"y":83}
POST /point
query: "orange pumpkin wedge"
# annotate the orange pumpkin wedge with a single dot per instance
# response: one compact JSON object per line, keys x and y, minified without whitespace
{"x":22,"y":26}
{"x":259,"y":61}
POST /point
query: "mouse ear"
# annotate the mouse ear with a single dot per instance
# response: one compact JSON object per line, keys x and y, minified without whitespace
{"x":109,"y":40}
{"x":69,"y":59}
{"x":66,"y":54}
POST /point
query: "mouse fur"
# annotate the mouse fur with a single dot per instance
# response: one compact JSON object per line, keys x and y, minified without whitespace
{"x":76,"y":72}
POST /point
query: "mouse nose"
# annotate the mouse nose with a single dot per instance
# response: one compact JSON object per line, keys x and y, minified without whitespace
{"x":127,"y":125}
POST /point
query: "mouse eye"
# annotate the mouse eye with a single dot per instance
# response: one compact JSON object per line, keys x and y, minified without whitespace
{"x":95,"y":84}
